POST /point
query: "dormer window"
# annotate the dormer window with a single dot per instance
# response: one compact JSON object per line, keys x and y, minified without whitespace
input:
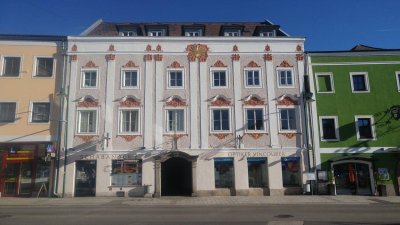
{"x":155,"y":33}
{"x":193,"y":32}
{"x":267,"y":34}
{"x":232,"y":33}
{"x":127,"y":33}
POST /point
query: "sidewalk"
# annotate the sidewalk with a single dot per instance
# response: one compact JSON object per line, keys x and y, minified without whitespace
{"x":200,"y":201}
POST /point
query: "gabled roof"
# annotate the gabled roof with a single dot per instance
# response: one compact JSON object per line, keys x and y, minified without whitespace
{"x":360,"y":47}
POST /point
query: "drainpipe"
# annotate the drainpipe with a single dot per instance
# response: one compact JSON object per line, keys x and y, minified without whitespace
{"x":60,"y":119}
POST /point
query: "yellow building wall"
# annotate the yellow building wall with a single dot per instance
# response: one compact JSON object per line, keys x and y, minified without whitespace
{"x":26,"y":88}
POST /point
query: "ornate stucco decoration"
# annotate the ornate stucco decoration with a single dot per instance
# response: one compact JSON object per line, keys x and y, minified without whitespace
{"x":175,"y":65}
{"x":299,"y":55}
{"x":74,"y":57}
{"x":197,"y":51}
{"x":86,"y":138}
{"x":90,"y":64}
{"x":130,"y":64}
{"x":252,"y":64}
{"x":253,"y":99}
{"x":256,"y":135}
{"x":158,"y":57}
{"x":267,"y":55}
{"x":175,"y":136}
{"x":87,"y":101}
{"x":221,"y":135}
{"x":284,"y":63}
{"x":235,"y":56}
{"x":287,"y":100}
{"x":111,"y":55}
{"x":175,"y":101}
{"x":129,"y":101}
{"x":289,"y":135}
{"x":128,"y":137}
{"x":219,"y":100}
{"x":148,"y":57}
{"x":219,"y":63}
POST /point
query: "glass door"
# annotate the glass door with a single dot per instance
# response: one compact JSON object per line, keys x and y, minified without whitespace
{"x":11,"y":176}
{"x":25,"y":178}
{"x":85,"y":178}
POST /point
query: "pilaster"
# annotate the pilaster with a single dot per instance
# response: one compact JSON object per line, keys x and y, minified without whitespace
{"x":148,"y":133}
{"x":159,"y":87}
{"x":109,"y":89}
{"x":204,"y":123}
{"x":237,"y":90}
{"x":272,"y":112}
{"x":194,"y":104}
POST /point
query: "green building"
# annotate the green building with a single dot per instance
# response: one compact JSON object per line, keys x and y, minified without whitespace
{"x":355,"y":120}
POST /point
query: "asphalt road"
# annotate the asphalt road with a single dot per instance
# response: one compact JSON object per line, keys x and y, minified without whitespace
{"x":120,"y":214}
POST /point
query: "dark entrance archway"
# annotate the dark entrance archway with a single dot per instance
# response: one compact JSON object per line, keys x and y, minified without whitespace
{"x":176,"y":177}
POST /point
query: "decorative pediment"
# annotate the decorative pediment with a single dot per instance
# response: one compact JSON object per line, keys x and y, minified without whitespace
{"x":175,"y":64}
{"x":158,"y":48}
{"x":253,"y":99}
{"x":88,"y":101}
{"x":252,"y":64}
{"x":197,"y":51}
{"x":129,"y":101}
{"x":175,"y":101}
{"x":221,"y":135}
{"x":130,"y":64}
{"x":219,"y":63}
{"x":287,"y":99}
{"x":148,"y":48}
{"x":90,"y":64}
{"x":219,"y":100}
{"x":284,"y":63}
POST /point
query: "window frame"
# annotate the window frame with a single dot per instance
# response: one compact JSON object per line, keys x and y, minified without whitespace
{"x":122,"y":77}
{"x":262,"y":33}
{"x":291,"y":69}
{"x":330,"y":74}
{"x":83,"y":70}
{"x":78,"y":125}
{"x":228,"y":32}
{"x":169,"y":78}
{"x":126,"y":161}
{"x":120,"y":110}
{"x":31,"y":112}
{"x":321,"y":130}
{"x":373,"y":131}
{"x":151,"y":32}
{"x":122,"y":33}
{"x":15,"y":113}
{"x":245,"y":114}
{"x":219,"y":69}
{"x":166,"y":130}
{"x":35,"y":67}
{"x":199,"y":31}
{"x":398,"y":80}
{"x":3,"y":66}
{"x":297,"y":118}
{"x":366,"y":80}
{"x":211,"y":120}
{"x":248,"y":69}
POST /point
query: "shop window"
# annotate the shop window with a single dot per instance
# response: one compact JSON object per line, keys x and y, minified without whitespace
{"x":325,"y":83}
{"x":223,"y":172}
{"x":257,"y":169}
{"x":126,"y":173}
{"x":290,"y":171}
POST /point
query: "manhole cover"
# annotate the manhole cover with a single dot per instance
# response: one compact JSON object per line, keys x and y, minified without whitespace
{"x":284,"y":216}
{"x":5,"y":216}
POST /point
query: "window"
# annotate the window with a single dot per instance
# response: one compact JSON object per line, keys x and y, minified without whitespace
{"x":130,"y":79}
{"x":175,"y":120}
{"x":325,"y":83}
{"x":175,"y":79}
{"x":253,"y":78}
{"x":40,"y":112}
{"x":285,"y":78}
{"x":220,"y":120}
{"x":232,"y":33}
{"x":87,"y":121}
{"x":7,"y":112}
{"x":287,"y":119}
{"x":257,"y":171}
{"x":127,"y":33}
{"x":223,"y":172}
{"x":329,"y":128}
{"x":219,"y":78}
{"x":11,"y":66}
{"x":89,"y":79}
{"x":359,"y":82}
{"x":290,"y":171}
{"x":44,"y":67}
{"x":193,"y":32}
{"x":365,"y":128}
{"x":398,"y":80}
{"x":129,"y":121}
{"x":254,"y":119}
{"x":126,"y":173}
{"x":267,"y":34}
{"x":156,"y":33}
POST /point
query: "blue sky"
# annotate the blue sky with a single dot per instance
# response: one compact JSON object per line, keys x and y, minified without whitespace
{"x":327,"y":24}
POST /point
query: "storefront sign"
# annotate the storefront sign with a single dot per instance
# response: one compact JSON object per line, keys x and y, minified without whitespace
{"x":108,"y":156}
{"x":256,"y":154}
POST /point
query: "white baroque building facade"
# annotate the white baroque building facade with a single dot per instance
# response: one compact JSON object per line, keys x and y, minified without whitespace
{"x":184,"y":109}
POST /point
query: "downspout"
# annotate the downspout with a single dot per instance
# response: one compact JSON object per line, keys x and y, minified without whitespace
{"x":60,"y":119}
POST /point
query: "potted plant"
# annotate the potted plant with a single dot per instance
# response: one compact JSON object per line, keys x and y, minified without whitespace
{"x":331,"y":184}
